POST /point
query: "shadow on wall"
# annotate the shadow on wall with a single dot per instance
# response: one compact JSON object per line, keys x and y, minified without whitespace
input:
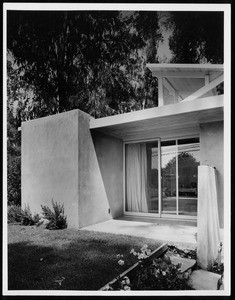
{"x":109,"y":152}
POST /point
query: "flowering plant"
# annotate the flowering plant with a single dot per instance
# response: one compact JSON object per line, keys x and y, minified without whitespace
{"x":151,"y":274}
{"x":159,"y":274}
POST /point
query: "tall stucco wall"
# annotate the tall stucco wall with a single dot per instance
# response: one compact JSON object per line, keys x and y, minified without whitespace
{"x":212,"y":153}
{"x":49,"y":163}
{"x":93,"y":200}
{"x":109,"y":151}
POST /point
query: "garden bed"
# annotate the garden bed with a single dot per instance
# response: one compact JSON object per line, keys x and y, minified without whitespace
{"x":166,"y":268}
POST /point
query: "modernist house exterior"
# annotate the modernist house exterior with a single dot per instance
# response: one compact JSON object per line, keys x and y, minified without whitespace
{"x":142,"y":163}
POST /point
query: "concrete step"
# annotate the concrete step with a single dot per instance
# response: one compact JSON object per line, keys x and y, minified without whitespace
{"x":186,"y":263}
{"x":204,"y":280}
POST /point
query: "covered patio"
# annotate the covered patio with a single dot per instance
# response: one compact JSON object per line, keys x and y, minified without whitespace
{"x":174,"y":232}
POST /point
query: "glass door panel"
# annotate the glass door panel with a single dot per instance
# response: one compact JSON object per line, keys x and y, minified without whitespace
{"x":142,"y":177}
{"x":152,"y":177}
{"x":188,"y":161}
{"x":168,"y":182}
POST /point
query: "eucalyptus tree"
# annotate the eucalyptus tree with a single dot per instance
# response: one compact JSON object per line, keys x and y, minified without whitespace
{"x":92,"y":60}
{"x":197,"y":36}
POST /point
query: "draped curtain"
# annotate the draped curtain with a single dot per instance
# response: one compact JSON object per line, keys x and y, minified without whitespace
{"x":208,"y":229}
{"x":136,"y":177}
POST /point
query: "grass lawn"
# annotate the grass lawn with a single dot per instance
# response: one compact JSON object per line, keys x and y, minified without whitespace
{"x":87,"y":260}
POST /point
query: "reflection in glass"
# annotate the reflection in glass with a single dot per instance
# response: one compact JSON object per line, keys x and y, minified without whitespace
{"x":168,"y":155}
{"x":188,"y":161}
{"x":152,"y":169}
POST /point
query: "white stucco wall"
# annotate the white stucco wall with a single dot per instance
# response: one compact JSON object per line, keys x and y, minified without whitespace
{"x":49,"y":163}
{"x":61,"y":162}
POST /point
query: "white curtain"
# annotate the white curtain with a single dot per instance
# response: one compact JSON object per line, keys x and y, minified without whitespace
{"x":208,"y":235}
{"x":136,"y":177}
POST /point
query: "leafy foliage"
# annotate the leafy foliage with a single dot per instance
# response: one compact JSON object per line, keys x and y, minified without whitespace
{"x":14,"y":214}
{"x":152,"y":274}
{"x":13,"y":180}
{"x":87,"y":59}
{"x":24,"y":216}
{"x":57,"y":219}
{"x":19,"y":97}
{"x":160,"y":275}
{"x":197,"y":37}
{"x":28,"y":219}
{"x":184,"y":159}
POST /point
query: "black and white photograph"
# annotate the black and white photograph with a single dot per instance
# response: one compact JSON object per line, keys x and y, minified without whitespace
{"x":116,"y":149}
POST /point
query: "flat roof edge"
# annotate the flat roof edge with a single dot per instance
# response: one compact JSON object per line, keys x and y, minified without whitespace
{"x":186,"y":66}
{"x":57,"y":115}
{"x":160,"y":111}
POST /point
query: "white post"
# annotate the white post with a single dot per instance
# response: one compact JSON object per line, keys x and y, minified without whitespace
{"x":160,"y":90}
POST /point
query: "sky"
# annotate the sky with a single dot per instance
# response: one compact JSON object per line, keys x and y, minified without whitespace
{"x":164,"y":54}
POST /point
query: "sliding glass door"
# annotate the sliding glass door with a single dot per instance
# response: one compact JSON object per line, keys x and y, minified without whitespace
{"x":168,"y":170}
{"x":142,"y":165}
{"x":188,"y":161}
{"x":161,"y":177}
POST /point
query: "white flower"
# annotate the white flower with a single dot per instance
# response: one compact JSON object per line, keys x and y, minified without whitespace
{"x":144,"y":247}
{"x":121,"y":262}
{"x":126,"y":288}
{"x":163,"y":273}
{"x":127,"y":280}
{"x":123,"y":282}
{"x":141,"y":256}
{"x":132,"y":251}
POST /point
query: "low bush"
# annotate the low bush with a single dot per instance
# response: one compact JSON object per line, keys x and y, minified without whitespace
{"x":56,"y":218}
{"x":28,"y":219}
{"x":23,"y":216}
{"x":14,"y":214}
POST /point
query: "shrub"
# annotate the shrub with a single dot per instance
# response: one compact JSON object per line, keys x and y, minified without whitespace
{"x":57,"y":219}
{"x":28,"y":219}
{"x":13,"y":180}
{"x":14,"y":214}
{"x":152,"y":274}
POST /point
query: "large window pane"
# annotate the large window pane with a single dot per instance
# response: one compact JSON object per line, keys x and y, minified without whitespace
{"x":152,"y":182}
{"x":168,"y":156}
{"x":188,"y":161}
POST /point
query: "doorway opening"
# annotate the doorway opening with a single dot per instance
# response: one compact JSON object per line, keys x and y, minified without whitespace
{"x":161,"y":177}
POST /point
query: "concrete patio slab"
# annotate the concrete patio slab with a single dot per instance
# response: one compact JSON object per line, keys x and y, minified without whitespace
{"x":186,"y":263}
{"x":204,"y":280}
{"x":176,"y":233}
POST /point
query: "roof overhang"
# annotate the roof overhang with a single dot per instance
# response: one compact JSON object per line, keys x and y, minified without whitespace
{"x":158,"y":119}
{"x":185,"y":70}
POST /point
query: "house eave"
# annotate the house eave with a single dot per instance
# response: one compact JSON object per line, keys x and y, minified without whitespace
{"x":158,"y":119}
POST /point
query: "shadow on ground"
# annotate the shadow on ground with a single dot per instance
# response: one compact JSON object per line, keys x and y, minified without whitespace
{"x":82,"y":264}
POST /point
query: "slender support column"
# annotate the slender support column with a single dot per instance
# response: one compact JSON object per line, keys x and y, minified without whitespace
{"x":207,"y":79}
{"x":176,"y":97}
{"x":160,"y":90}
